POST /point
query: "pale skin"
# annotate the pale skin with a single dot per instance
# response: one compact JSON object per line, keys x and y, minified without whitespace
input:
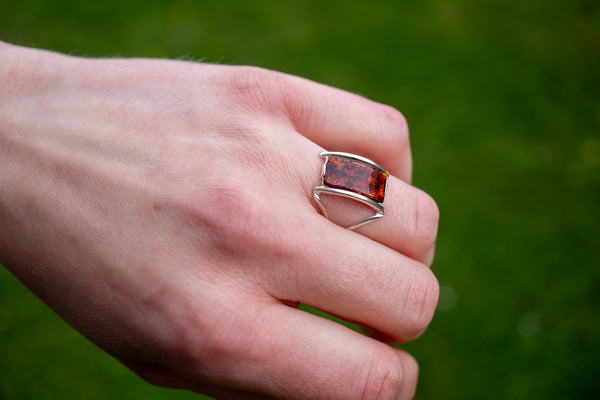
{"x":164,"y":209}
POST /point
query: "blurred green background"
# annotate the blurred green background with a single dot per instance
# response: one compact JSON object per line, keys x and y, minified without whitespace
{"x":503,"y":102}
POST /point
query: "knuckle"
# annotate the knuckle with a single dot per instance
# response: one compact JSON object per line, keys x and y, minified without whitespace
{"x":233,"y":227}
{"x":426,"y":219}
{"x":238,"y":225}
{"x":207,"y":342}
{"x":247,"y":79}
{"x":256,"y":88}
{"x":395,"y":126}
{"x":383,"y":378}
{"x":420,"y":305}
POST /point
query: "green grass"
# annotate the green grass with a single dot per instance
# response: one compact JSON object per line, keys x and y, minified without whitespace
{"x":503,"y":101}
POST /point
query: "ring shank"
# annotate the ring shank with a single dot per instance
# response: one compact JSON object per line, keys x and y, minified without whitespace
{"x":355,"y":196}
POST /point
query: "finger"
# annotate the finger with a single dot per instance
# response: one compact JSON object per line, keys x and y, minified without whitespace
{"x":288,"y":353}
{"x":410,"y":221}
{"x":341,"y":121}
{"x":227,"y":394}
{"x":164,"y":377}
{"x":334,"y":119}
{"x":356,"y":279}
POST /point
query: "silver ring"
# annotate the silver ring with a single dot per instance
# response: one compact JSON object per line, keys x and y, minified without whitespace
{"x":355,"y":177}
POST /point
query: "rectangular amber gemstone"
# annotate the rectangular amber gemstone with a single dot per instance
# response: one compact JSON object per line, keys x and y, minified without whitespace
{"x":356,"y":176}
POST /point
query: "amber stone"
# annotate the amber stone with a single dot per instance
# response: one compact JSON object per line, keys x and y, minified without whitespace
{"x":356,"y":176}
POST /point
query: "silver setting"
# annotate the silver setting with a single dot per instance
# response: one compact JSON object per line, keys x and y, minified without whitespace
{"x":378,"y":207}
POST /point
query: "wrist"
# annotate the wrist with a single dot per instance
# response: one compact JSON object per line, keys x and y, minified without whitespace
{"x":28,"y":82}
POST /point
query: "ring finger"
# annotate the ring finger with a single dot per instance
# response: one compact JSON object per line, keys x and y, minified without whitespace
{"x":410,"y":220}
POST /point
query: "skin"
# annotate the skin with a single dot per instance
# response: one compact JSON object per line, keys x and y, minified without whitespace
{"x":164,"y":209}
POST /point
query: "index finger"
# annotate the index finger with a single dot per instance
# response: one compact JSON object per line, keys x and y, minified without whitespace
{"x":332,"y":118}
{"x":342,"y":121}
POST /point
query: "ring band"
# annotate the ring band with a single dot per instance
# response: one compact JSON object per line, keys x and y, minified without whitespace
{"x":355,"y":177}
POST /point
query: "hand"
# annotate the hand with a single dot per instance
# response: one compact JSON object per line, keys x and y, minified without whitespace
{"x":164,"y":209}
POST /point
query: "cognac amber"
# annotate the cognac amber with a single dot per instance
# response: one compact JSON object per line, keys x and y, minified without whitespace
{"x":356,"y":176}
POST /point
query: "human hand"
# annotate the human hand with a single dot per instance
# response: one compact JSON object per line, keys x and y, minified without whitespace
{"x":164,"y":209}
